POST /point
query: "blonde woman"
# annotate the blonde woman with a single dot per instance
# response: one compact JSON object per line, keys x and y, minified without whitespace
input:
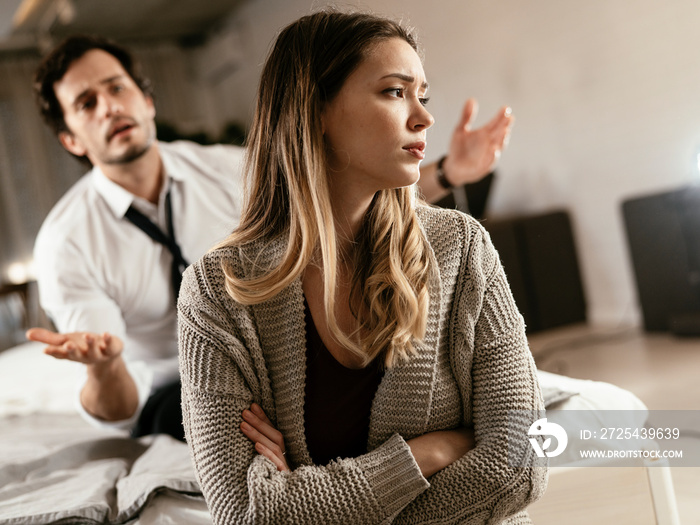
{"x":349,"y":354}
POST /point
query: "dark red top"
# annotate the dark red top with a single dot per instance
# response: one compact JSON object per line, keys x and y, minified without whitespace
{"x":338,"y":401}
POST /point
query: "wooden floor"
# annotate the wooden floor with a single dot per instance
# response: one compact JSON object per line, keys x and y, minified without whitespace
{"x":662,"y":370}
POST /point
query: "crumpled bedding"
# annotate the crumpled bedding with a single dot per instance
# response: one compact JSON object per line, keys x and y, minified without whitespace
{"x":54,"y":469}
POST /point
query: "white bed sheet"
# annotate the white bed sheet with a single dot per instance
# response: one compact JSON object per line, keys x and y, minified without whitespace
{"x":171,"y":508}
{"x":33,"y":382}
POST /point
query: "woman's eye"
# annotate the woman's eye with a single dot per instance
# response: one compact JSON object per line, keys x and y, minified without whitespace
{"x":424,"y":100}
{"x":395,"y":92}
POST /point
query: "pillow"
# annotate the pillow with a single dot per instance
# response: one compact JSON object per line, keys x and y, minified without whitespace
{"x":584,"y":394}
{"x":597,"y":405}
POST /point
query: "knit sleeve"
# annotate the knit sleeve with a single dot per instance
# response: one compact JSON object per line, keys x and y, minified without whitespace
{"x":491,"y":359}
{"x":219,"y":381}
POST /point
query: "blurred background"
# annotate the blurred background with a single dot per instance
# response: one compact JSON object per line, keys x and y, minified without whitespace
{"x":604,"y":93}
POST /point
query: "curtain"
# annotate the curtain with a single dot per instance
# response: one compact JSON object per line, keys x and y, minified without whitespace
{"x":34,"y":169}
{"x":34,"y":173}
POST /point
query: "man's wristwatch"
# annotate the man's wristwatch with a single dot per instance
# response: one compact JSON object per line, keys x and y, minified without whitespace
{"x":440,"y":174}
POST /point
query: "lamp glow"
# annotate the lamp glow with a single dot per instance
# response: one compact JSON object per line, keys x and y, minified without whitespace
{"x":18,"y":273}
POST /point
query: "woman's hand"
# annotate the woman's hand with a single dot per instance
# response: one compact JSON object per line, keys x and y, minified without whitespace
{"x":269,"y":441}
{"x":436,"y":450}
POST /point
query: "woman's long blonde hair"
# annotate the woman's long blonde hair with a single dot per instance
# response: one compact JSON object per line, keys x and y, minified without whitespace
{"x":288,"y":193}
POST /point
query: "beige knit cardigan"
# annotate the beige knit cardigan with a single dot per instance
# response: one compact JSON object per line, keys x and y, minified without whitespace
{"x":472,"y":368}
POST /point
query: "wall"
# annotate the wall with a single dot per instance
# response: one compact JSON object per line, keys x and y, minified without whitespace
{"x":604,"y":94}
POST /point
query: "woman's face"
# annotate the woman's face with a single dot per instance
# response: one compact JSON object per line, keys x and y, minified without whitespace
{"x":375,"y":127}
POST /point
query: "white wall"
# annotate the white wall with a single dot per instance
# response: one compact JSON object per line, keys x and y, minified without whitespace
{"x":604,"y":94}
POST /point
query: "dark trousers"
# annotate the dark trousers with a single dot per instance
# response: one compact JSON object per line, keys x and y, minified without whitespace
{"x":162,"y":413}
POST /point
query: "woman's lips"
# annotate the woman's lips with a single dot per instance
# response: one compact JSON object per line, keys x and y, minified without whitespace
{"x":417,"y":149}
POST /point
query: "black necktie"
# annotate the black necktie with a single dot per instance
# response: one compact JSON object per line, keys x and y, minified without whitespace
{"x":144,"y":224}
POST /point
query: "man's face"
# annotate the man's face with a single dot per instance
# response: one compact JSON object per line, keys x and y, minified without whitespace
{"x":109,"y":118}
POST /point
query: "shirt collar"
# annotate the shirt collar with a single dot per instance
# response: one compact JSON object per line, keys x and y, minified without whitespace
{"x":119,"y":199}
{"x":172,"y":165}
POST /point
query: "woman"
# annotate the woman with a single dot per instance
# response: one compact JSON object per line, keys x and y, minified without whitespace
{"x":372,"y":330}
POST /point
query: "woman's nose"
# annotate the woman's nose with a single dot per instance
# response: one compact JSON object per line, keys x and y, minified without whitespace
{"x":421,"y":118}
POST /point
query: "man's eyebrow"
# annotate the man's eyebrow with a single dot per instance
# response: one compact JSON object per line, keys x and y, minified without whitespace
{"x":407,"y":78}
{"x":111,"y":79}
{"x":84,"y":93}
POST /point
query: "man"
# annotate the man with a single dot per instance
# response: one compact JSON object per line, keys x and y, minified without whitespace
{"x":111,"y":252}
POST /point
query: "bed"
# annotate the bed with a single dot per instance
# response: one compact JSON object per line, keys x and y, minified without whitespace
{"x":55,"y":468}
{"x":619,"y":491}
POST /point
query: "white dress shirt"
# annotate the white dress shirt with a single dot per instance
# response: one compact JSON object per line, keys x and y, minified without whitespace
{"x":98,"y":272}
